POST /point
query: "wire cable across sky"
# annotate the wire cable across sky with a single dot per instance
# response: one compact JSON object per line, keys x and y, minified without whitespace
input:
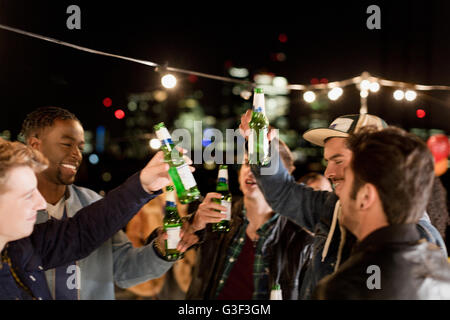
{"x":299,"y":87}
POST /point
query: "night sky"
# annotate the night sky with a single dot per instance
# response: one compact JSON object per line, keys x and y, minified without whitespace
{"x":323,"y":41}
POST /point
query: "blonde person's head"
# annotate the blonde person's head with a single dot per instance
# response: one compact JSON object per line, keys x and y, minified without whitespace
{"x":16,"y":154}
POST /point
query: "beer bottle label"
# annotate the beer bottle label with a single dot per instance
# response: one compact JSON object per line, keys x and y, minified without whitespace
{"x":258,"y":102}
{"x":275,"y":294}
{"x":226,"y":204}
{"x":223,"y":174}
{"x":261,"y":139}
{"x":173,"y":234}
{"x":186,"y":176}
{"x":163,"y":134}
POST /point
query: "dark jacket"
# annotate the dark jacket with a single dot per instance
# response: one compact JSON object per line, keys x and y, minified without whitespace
{"x":314,"y":211}
{"x":57,"y":242}
{"x":406,"y":267}
{"x":287,"y":249}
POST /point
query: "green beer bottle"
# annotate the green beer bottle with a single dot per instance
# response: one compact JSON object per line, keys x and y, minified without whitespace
{"x":172,"y":225}
{"x":179,"y":171}
{"x":225,"y":200}
{"x":258,"y":143}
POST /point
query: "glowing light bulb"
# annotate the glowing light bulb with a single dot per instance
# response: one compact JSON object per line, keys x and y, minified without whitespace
{"x":365,"y":85}
{"x":399,"y":95}
{"x":410,"y":95}
{"x":155,"y":144}
{"x":374,"y":87}
{"x":309,"y":96}
{"x":169,"y":81}
{"x":364,"y":93}
{"x":335,"y":93}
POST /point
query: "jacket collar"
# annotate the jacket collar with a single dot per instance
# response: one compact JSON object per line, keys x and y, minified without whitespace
{"x":398,"y":233}
{"x":73,"y":204}
{"x":266,"y":228}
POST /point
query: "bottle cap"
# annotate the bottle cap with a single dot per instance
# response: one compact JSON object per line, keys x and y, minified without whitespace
{"x":158,"y":126}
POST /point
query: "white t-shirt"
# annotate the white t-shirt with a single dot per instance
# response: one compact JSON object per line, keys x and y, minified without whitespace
{"x":56,"y":211}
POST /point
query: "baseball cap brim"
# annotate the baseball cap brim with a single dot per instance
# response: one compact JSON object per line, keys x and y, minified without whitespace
{"x":318,"y":136}
{"x":342,"y":127}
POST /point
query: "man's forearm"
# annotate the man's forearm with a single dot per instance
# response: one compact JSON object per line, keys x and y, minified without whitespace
{"x":285,"y":196}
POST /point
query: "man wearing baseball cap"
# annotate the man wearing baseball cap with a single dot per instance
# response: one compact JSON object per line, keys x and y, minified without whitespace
{"x":319,"y":211}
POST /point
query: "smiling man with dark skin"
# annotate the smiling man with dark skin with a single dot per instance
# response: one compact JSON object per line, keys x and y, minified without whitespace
{"x":63,"y":144}
{"x":59,"y":135}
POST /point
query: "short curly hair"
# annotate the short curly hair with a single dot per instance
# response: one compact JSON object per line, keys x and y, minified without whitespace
{"x":41,"y":118}
{"x":16,"y":154}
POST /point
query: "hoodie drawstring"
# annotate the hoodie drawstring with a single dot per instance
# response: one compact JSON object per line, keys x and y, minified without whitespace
{"x":333,"y":227}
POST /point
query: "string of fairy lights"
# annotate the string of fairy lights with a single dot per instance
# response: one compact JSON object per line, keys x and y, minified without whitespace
{"x":366,"y":83}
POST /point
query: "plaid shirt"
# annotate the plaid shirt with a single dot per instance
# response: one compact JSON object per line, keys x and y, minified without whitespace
{"x":260,"y":266}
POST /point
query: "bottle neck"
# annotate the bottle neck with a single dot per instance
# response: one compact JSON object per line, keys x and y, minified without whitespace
{"x":165,"y":137}
{"x":170,"y":197}
{"x":276,"y":287}
{"x":223,"y":175}
{"x":258,"y":103}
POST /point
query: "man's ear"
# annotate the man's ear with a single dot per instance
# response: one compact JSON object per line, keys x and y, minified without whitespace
{"x":34,"y":142}
{"x":366,"y":196}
